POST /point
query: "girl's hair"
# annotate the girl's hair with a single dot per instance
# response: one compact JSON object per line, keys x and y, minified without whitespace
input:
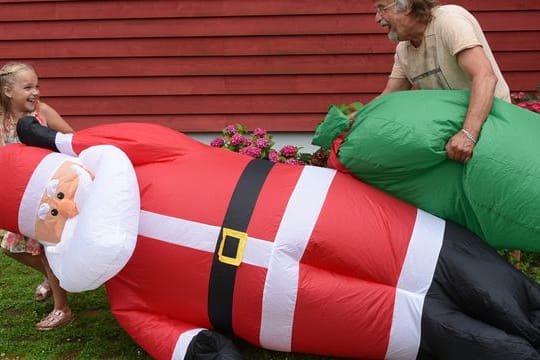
{"x":420,"y":9}
{"x":8,"y":73}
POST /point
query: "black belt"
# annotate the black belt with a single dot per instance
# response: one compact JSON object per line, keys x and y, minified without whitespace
{"x":231,"y":242}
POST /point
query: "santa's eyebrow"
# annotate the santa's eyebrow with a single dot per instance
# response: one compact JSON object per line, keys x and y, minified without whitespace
{"x":51,"y":187}
{"x":43,"y":211}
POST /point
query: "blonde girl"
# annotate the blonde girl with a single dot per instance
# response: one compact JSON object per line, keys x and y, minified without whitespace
{"x":19,"y":97}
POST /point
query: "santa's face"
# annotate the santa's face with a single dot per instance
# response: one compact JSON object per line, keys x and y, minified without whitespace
{"x":64,"y":192}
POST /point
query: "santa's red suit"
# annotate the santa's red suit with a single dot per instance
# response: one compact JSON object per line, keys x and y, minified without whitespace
{"x":299,"y":258}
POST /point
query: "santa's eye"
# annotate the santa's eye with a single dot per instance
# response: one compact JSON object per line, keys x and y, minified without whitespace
{"x":60,"y":195}
{"x":54,"y":212}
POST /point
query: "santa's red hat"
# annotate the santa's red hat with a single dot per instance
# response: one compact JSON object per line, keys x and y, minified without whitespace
{"x":25,"y":173}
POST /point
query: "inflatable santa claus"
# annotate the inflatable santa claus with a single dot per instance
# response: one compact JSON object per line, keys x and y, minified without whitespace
{"x":193,"y":241}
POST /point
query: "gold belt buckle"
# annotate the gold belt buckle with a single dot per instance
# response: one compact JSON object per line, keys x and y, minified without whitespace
{"x":241,"y":237}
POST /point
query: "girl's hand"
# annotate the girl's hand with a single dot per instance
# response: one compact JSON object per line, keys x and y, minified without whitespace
{"x":53,"y":119}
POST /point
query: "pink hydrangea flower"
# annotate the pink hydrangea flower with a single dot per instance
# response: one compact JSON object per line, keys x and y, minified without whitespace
{"x":518,"y":95}
{"x":294,"y":162}
{"x":247,"y":141}
{"x":259,"y":144}
{"x":217,"y":142}
{"x":230,"y":129}
{"x":262,"y":143}
{"x":259,"y":132}
{"x":273,"y":156}
{"x":252,"y":151}
{"x":288,"y":151}
{"x":237,"y":140}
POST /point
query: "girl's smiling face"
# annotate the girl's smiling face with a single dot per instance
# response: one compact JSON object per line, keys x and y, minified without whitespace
{"x":24,"y":92}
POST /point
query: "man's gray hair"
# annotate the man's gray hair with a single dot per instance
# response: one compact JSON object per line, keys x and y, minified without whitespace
{"x":402,"y":5}
{"x":420,"y":9}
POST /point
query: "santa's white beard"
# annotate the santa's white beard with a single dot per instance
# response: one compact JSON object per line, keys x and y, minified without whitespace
{"x":83,"y":187}
{"x":99,"y":241}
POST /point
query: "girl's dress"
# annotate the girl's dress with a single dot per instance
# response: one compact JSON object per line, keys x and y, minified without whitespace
{"x":17,"y":243}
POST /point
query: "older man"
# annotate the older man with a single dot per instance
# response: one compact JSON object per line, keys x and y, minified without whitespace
{"x":443,"y":47}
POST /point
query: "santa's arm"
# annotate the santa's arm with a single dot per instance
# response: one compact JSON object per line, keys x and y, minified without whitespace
{"x":167,"y":338}
{"x":142,"y":142}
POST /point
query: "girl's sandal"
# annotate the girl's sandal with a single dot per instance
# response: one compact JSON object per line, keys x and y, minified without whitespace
{"x":43,"y":291}
{"x":55,"y":320}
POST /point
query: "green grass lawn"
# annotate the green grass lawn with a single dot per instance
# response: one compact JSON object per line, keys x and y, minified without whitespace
{"x":95,"y":334}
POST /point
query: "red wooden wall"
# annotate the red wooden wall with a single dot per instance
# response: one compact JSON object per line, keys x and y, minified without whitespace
{"x":197,"y":65}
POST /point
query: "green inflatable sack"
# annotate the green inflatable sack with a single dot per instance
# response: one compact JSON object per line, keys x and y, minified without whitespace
{"x":397,"y":143}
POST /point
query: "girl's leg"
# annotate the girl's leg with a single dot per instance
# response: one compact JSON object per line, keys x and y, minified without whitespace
{"x":43,"y":290}
{"x":33,"y":261}
{"x":59,"y":294}
{"x":61,"y":315}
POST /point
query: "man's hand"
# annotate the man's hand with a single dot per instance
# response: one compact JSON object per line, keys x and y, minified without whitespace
{"x":460,"y":147}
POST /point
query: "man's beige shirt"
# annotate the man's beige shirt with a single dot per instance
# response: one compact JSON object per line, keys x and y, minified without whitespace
{"x":433,"y":65}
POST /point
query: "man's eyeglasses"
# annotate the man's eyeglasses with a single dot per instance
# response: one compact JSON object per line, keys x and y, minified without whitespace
{"x":382,"y":9}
